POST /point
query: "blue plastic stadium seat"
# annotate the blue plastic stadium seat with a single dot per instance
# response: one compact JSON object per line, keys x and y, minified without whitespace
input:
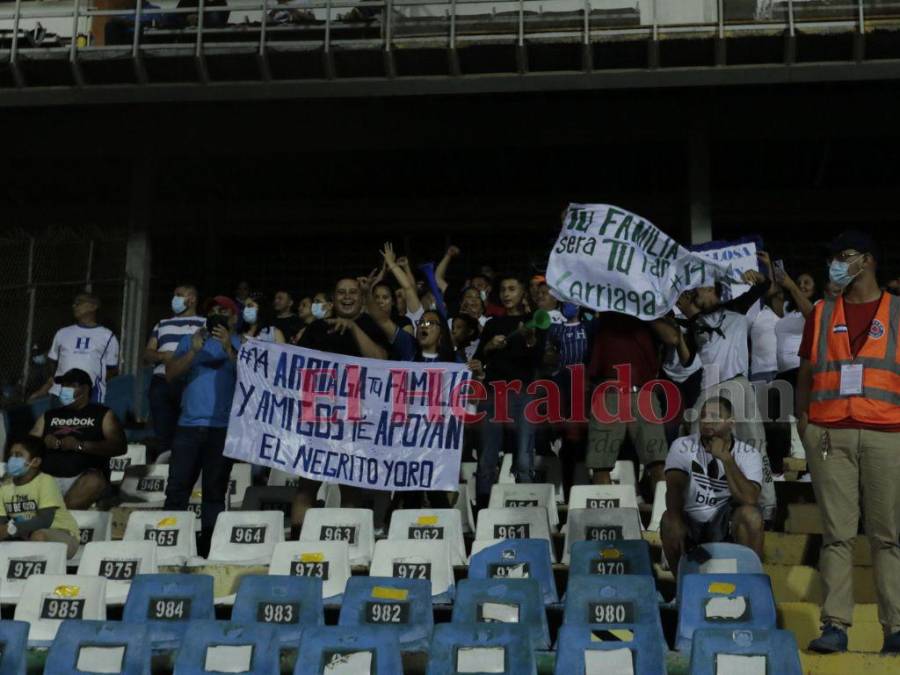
{"x":504,"y":601}
{"x":455,"y":648}
{"x":13,"y":646}
{"x":606,"y":558}
{"x":286,"y":603}
{"x":116,"y":642}
{"x":120,"y":396}
{"x":614,"y":612}
{"x":520,"y":559}
{"x":725,"y":558}
{"x":251,"y":649}
{"x":724,"y":601}
{"x":328,"y":644}
{"x":401,"y":605}
{"x":166,"y":602}
{"x":648,"y":652}
{"x":777,"y":646}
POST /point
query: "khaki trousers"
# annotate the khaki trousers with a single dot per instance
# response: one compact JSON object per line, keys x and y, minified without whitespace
{"x":866,"y":462}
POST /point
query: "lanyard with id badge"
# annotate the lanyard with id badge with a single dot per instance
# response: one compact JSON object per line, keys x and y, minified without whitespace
{"x":851,"y":385}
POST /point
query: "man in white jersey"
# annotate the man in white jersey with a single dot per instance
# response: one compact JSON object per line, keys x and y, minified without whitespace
{"x":713,"y":485}
{"x":84,"y":345}
{"x":718,"y":333}
{"x":165,"y":397}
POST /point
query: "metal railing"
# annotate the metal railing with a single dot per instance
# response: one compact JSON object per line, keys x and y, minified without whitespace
{"x":384,"y":22}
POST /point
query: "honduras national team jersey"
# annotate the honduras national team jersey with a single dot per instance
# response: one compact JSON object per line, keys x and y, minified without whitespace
{"x":93,"y":350}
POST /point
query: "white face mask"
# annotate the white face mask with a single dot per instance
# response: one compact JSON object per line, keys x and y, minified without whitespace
{"x":318,"y":310}
{"x":483,"y":295}
{"x":67,"y":395}
{"x":250,"y":314}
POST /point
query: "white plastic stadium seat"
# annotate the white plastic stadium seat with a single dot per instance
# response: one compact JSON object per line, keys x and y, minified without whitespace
{"x":430,"y":524}
{"x":602,"y":497}
{"x":520,"y":523}
{"x":523,"y":495}
{"x":21,"y":559}
{"x":506,"y":466}
{"x":548,"y":469}
{"x":623,"y":473}
{"x":118,"y":562}
{"x":464,"y":506}
{"x":172,"y":531}
{"x":146,"y":485}
{"x":354,"y":526}
{"x":659,"y":506}
{"x":467,"y":470}
{"x":601,"y":525}
{"x":330,"y":495}
{"x":416,"y":560}
{"x":93,"y":526}
{"x":241,"y":478}
{"x":136,"y":454}
{"x":325,"y":560}
{"x":48,"y":600}
{"x":246,"y":537}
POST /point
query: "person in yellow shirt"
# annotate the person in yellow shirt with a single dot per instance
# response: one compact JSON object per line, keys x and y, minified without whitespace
{"x":31,"y":505}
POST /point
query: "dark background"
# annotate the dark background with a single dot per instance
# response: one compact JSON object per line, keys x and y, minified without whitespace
{"x":296,"y":193}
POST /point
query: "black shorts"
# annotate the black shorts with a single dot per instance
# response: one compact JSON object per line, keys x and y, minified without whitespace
{"x":716,"y":530}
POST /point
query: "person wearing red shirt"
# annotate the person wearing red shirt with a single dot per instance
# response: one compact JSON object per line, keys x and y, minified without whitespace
{"x":625,"y":355}
{"x":849,"y":431}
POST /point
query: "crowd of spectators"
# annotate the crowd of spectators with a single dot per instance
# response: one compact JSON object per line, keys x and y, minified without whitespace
{"x":714,"y":442}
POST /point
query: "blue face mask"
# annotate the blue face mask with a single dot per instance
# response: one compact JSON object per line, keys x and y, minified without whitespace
{"x":839,"y":273}
{"x":17,"y":467}
{"x":250,"y":314}
{"x":179,"y":304}
{"x":569,"y":310}
{"x":67,"y":395}
{"x":318,"y":310}
{"x":39,"y":359}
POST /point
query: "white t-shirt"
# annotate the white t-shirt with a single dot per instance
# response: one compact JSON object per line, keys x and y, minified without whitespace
{"x":722,"y":343}
{"x":789,"y":334}
{"x":672,"y":365}
{"x":763,"y":343}
{"x":93,"y":350}
{"x":708,"y":490}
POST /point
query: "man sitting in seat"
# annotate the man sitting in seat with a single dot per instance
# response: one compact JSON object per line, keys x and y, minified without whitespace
{"x":79,"y":438}
{"x":31,"y":506}
{"x":713,"y":484}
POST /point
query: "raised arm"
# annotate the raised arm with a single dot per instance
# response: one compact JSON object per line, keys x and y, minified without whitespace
{"x":440,"y":271}
{"x":407,"y":281}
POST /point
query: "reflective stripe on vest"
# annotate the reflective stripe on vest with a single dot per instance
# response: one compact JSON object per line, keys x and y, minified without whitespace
{"x":879,"y":402}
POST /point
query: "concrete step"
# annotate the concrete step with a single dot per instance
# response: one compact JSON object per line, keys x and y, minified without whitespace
{"x":803,"y":619}
{"x":803,"y":519}
{"x":800,"y":583}
{"x":849,"y":664}
{"x":788,"y":549}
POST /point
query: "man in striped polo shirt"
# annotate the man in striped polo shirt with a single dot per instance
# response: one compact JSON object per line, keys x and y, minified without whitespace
{"x":165,"y":397}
